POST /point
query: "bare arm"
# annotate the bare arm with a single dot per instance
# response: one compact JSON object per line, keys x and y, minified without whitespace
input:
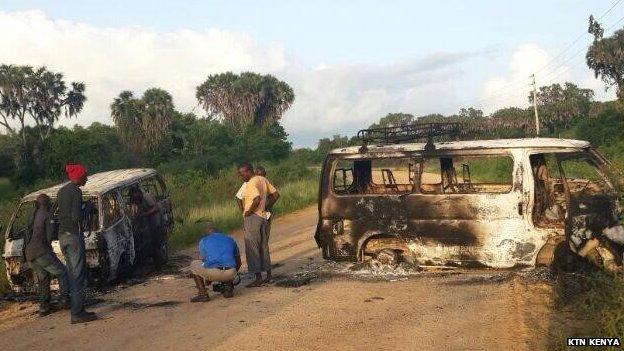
{"x":252,"y":208}
{"x":239,"y":202}
{"x":151,"y":211}
{"x":49,"y":229}
{"x":151,"y":202}
{"x":272,"y":199}
{"x":238,"y":262}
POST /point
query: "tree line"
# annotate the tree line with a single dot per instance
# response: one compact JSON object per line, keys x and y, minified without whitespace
{"x":242,"y":122}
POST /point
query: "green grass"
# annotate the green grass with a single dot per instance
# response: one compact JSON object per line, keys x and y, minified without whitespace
{"x":597,"y":299}
{"x":195,"y":197}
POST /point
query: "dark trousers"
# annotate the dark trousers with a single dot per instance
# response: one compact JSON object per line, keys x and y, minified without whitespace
{"x":45,"y":267}
{"x":73,"y":248}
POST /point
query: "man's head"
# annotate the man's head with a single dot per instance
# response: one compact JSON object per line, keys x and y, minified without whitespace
{"x":260,"y":171}
{"x":207,"y":226}
{"x":245,"y":171}
{"x":76,"y":173}
{"x":136,"y":195}
{"x":42,"y":202}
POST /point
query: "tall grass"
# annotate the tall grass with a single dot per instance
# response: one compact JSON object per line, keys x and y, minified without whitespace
{"x":213,"y":198}
{"x":597,"y":297}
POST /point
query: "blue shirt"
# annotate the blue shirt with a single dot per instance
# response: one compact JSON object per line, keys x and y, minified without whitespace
{"x":218,"y":250}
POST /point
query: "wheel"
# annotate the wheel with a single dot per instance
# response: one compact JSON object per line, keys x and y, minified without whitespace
{"x":101,"y":275}
{"x":385,"y":259}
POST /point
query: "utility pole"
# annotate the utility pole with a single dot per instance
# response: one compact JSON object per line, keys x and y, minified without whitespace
{"x":537,"y":124}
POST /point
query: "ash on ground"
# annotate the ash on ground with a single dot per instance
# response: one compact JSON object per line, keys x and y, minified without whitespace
{"x":321,"y":270}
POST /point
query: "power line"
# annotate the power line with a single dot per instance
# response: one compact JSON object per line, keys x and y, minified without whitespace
{"x":616,"y":23}
{"x":504,"y":91}
{"x":582,"y":49}
{"x":577,"y":38}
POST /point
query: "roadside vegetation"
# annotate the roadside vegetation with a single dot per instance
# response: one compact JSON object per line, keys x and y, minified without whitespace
{"x":589,"y":303}
{"x":212,"y":198}
{"x":196,"y":154}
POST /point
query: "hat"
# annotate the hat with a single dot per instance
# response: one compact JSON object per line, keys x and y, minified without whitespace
{"x":75,"y":171}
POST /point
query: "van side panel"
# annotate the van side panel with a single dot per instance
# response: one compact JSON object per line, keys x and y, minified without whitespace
{"x":478,"y":229}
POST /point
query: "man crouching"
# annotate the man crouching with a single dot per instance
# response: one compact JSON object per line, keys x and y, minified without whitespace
{"x":219,"y":261}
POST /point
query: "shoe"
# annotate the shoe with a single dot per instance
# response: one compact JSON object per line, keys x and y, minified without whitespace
{"x":200,"y":298}
{"x":43,"y":313}
{"x":228,"y":292}
{"x":83,"y":317}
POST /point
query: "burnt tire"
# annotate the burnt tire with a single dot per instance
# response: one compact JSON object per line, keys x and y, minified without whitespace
{"x":385,"y":259}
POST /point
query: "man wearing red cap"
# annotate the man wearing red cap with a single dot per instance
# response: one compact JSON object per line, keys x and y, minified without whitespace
{"x":71,"y":240}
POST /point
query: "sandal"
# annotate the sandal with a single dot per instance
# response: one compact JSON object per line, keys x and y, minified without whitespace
{"x":254,"y":284}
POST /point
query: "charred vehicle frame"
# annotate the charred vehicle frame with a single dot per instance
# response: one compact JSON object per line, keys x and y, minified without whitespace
{"x":114,"y":242}
{"x":478,"y":203}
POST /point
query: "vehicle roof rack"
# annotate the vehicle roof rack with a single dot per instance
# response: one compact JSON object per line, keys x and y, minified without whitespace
{"x":411,"y":133}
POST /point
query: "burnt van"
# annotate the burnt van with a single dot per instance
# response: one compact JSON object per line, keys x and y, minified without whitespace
{"x":479,"y":203}
{"x":114,"y":240}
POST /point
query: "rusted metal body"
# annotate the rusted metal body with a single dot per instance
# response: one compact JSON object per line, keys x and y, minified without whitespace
{"x":466,"y":227}
{"x":108,"y":230}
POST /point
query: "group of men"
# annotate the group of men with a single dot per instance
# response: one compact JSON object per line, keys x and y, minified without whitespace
{"x":72,"y":277}
{"x":219,"y":257}
{"x":72,"y":211}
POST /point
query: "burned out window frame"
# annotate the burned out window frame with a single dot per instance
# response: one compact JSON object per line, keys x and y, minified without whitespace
{"x":469,"y":153}
{"x":415,"y":158}
{"x":10,"y":230}
{"x":120,"y":203}
{"x":158,"y":185}
{"x":592,"y":160}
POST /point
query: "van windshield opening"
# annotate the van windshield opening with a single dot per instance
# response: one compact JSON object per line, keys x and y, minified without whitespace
{"x":584,"y":177}
{"x":374,"y":176}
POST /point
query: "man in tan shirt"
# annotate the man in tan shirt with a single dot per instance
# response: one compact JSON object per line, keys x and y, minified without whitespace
{"x":259,"y":195}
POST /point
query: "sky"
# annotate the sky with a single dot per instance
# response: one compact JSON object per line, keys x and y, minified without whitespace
{"x":349,"y":62}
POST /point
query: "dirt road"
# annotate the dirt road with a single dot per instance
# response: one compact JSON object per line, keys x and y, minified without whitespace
{"x":467,"y":311}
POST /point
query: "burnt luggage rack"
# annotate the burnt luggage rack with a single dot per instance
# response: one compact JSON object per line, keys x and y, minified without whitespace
{"x":411,"y":133}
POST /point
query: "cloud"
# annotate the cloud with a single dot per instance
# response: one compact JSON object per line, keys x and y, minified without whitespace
{"x":331,"y":98}
{"x":110,"y":60}
{"x":513,"y":88}
{"x":347,"y":97}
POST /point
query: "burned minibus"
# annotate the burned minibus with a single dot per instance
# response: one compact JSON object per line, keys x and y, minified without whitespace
{"x":479,"y":203}
{"x":115,"y":238}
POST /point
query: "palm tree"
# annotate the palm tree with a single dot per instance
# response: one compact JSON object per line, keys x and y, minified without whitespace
{"x":246,"y":99}
{"x":126,"y":115}
{"x":143,"y":123}
{"x":39,"y":94}
{"x":158,"y":111}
